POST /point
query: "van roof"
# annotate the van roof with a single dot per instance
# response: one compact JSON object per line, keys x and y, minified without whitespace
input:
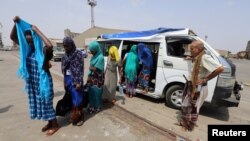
{"x":149,"y":34}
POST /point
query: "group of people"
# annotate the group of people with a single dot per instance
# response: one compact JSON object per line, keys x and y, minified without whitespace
{"x":138,"y":58}
{"x":34,"y":69}
{"x":101,"y":83}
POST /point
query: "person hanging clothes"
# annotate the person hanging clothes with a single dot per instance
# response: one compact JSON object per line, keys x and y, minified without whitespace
{"x":146,"y":59}
{"x":34,"y":70}
{"x":95,"y":77}
{"x":72,"y":69}
{"x":110,"y":82}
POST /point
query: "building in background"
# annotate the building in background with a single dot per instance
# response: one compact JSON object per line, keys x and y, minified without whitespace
{"x":56,"y":42}
{"x":84,"y":38}
{"x":242,"y":55}
{"x":91,"y":34}
{"x":68,"y":33}
{"x":224,"y":53}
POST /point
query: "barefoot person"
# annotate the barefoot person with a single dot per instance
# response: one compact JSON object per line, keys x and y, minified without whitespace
{"x":34,"y":69}
{"x":205,"y":68}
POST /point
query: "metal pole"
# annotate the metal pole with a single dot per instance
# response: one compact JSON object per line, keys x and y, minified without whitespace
{"x":1,"y":39}
{"x":206,"y":37}
{"x":92,"y":16}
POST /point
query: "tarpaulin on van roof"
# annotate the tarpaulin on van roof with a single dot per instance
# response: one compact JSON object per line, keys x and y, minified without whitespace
{"x":137,"y":34}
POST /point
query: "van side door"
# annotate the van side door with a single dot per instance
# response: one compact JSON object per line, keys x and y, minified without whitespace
{"x":174,"y":64}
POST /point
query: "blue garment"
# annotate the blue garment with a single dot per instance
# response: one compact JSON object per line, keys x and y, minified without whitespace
{"x":145,"y":55}
{"x":144,"y":77}
{"x":39,"y":109}
{"x":77,"y":95}
{"x":44,"y":90}
{"x":139,"y":34}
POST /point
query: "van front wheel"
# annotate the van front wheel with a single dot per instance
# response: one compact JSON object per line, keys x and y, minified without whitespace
{"x":173,"y":96}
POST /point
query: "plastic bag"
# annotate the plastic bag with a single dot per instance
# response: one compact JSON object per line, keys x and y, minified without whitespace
{"x":64,"y":105}
{"x":121,"y":90}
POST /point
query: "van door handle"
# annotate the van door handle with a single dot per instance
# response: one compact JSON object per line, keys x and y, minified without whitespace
{"x":167,"y":63}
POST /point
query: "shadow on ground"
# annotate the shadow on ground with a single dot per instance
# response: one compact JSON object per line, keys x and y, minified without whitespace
{"x":220,"y":113}
{"x":5,"y":109}
{"x":145,"y":97}
{"x":59,"y":93}
{"x":65,"y":120}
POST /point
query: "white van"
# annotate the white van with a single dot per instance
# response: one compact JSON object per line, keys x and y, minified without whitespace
{"x":169,"y":47}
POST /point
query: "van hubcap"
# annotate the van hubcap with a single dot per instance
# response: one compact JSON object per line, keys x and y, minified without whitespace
{"x":176,"y":97}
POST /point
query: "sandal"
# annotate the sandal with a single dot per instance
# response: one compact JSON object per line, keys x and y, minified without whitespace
{"x":113,"y":101}
{"x":80,"y":123}
{"x":46,"y":127}
{"x":91,"y":110}
{"x":127,"y":95}
{"x":51,"y":131}
{"x":184,"y":126}
{"x":97,"y":110}
{"x":105,"y":100}
{"x":178,"y":123}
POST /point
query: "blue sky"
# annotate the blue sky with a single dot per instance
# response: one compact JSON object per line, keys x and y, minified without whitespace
{"x":225,"y":22}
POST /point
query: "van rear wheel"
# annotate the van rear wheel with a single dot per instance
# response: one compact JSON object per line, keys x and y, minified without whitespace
{"x":173,"y":96}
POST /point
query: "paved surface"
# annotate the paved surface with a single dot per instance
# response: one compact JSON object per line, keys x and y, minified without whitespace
{"x":112,"y":123}
{"x":151,"y":111}
{"x":156,"y":113}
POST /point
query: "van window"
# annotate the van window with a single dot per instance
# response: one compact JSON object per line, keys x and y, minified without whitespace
{"x":105,"y":45}
{"x":178,"y":46}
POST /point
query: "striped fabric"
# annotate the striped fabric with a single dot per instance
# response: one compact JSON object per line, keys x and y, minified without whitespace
{"x":39,"y":109}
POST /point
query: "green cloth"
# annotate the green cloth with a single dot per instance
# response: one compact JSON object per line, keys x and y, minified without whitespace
{"x":95,"y":97}
{"x":97,"y":60}
{"x":131,"y":64}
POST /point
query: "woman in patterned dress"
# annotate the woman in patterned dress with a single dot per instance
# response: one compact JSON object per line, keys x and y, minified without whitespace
{"x":72,"y":69}
{"x":34,"y":69}
{"x":95,"y":77}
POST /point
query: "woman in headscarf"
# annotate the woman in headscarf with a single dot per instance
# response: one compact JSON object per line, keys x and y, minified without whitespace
{"x":110,"y":83}
{"x":131,"y":67}
{"x":95,"y":77}
{"x":34,"y":69}
{"x":72,"y":69}
{"x":146,"y":59}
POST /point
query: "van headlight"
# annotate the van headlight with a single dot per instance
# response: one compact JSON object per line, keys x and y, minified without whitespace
{"x":225,"y":82}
